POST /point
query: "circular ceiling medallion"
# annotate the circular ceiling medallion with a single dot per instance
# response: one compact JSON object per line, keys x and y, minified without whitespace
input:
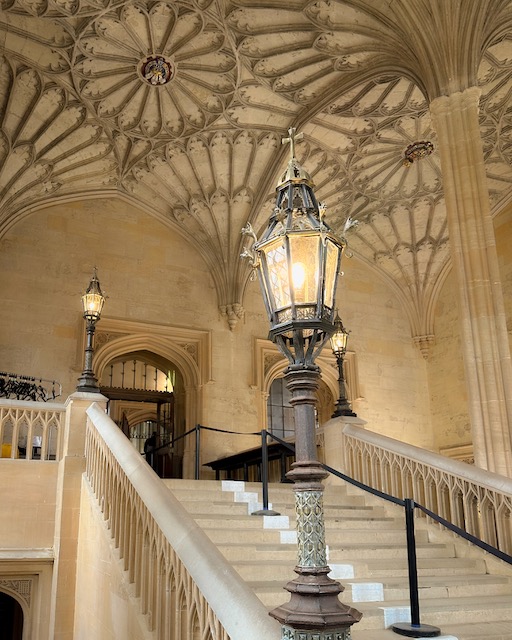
{"x":195,"y":68}
{"x":417,"y":151}
{"x":156,"y":70}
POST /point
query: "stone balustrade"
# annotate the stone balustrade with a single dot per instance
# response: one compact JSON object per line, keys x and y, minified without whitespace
{"x":475,"y":500}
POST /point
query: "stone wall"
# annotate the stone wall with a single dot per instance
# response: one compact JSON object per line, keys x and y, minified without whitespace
{"x":445,"y":367}
{"x":105,"y":606}
{"x":392,"y":371}
{"x":152,"y":275}
{"x":27,"y":496}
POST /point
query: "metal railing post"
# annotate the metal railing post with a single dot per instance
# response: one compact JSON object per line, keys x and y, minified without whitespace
{"x":264,"y":469}
{"x":415,"y":629}
{"x":265,"y":511}
{"x":198,"y":449}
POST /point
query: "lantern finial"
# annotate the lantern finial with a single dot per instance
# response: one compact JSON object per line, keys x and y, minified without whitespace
{"x":291,"y":139}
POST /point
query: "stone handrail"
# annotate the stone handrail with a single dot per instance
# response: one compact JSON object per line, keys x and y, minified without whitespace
{"x":31,"y":431}
{"x":171,"y":561}
{"x":478,"y":501}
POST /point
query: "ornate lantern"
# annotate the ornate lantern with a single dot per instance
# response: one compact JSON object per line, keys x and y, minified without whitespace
{"x":298,"y":260}
{"x":93,"y":299}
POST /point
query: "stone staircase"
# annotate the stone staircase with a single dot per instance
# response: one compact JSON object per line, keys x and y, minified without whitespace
{"x":367,"y":554}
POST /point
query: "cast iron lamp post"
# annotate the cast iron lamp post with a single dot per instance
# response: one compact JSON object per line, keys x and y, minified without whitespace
{"x":339,"y":341}
{"x":92,"y":301}
{"x":298,"y":260}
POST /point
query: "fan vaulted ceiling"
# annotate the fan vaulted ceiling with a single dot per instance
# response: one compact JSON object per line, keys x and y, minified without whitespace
{"x":180,"y":107}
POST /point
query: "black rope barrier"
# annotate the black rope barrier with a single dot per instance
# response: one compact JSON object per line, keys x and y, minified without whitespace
{"x":364,"y":487}
{"x":464,"y":534}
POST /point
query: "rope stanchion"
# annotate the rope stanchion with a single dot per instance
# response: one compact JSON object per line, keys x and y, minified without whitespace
{"x":414,"y":629}
{"x":264,"y":479}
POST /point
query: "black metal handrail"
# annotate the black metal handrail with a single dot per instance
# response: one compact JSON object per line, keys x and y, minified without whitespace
{"x":197,"y":430}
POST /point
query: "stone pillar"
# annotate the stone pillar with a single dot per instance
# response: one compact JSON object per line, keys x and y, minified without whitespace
{"x":484,"y":337}
{"x":332,"y":433}
{"x":67,"y":514}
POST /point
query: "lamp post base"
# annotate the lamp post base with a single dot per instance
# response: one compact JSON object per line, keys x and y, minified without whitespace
{"x":344,"y":412}
{"x":314,"y":608}
{"x":289,"y":633}
{"x":416,"y":630}
{"x":88,"y":383}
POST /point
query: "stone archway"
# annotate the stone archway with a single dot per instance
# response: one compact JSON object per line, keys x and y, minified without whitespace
{"x":12,"y":618}
{"x":188,"y":351}
{"x":270,"y":364}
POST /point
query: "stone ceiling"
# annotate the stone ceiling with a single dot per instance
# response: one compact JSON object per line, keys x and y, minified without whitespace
{"x":180,"y":107}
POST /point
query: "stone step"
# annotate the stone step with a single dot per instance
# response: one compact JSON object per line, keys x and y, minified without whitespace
{"x":344,"y":544}
{"x":439,"y":612}
{"x":385,"y":561}
{"x":253,"y":529}
{"x":393,"y":589}
{"x":440,"y":566}
{"x":240,"y":521}
{"x":331,"y":512}
{"x":343,"y":569}
{"x":490,"y":630}
{"x":374,"y":537}
{"x":487,"y":631}
{"x":280,"y":493}
{"x":216,"y":508}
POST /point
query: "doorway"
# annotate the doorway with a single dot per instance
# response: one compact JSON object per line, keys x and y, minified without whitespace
{"x":146,"y":400}
{"x":11,"y":617}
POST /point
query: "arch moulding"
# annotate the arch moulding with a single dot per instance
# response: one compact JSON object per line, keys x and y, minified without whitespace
{"x":188,"y":349}
{"x":270,"y":363}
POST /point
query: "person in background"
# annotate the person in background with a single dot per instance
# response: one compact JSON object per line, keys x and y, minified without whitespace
{"x":149,"y":450}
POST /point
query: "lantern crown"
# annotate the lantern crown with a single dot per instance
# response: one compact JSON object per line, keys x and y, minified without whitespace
{"x":294,"y":171}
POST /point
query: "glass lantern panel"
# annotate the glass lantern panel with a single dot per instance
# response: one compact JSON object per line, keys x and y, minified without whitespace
{"x":331,"y":266}
{"x":304,"y":268}
{"x":93,"y":304}
{"x":339,"y":342}
{"x":278,"y":275}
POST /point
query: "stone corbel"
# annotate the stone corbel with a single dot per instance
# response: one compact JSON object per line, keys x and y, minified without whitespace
{"x":233,"y":312}
{"x":424,"y":343}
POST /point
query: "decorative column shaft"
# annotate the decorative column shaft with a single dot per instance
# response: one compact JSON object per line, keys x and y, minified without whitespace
{"x":314,"y":611}
{"x":342,"y":407}
{"x":88,"y":381}
{"x":484,"y":335}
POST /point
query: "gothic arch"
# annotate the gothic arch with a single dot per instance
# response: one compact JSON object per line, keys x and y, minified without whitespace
{"x":187,"y":349}
{"x":270,"y":364}
{"x":15,"y":590}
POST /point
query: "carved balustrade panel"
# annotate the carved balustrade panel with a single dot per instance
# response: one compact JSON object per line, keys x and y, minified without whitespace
{"x":169,"y":598}
{"x":480,"y":509}
{"x":31,"y":431}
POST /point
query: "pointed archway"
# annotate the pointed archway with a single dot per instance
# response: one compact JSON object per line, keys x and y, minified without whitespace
{"x":188,"y":351}
{"x":11,"y":616}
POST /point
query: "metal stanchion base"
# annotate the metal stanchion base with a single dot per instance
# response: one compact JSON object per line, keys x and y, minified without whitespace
{"x":416,"y":630}
{"x":265,"y":512}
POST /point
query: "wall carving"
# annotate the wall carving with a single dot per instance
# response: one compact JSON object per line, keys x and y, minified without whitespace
{"x":22,"y":587}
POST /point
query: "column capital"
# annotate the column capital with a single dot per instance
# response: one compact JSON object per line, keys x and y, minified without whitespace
{"x":455,"y":102}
